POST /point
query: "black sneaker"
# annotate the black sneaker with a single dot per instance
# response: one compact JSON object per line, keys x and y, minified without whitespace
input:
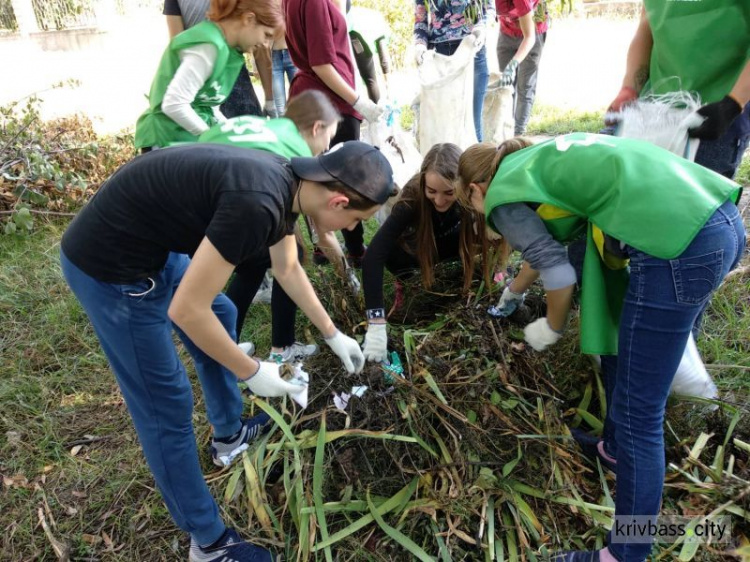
{"x":230,"y":548}
{"x":591,"y":449}
{"x":319,"y":258}
{"x":225,"y":451}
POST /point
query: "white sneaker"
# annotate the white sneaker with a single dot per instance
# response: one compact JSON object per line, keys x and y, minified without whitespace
{"x":295,"y":352}
{"x":248,"y":347}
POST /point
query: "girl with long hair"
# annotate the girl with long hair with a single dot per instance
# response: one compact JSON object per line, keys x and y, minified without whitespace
{"x":200,"y":67}
{"x":677,"y":228}
{"x":426,"y":226}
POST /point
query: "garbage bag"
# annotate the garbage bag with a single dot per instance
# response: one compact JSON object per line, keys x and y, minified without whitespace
{"x":498,"y":123}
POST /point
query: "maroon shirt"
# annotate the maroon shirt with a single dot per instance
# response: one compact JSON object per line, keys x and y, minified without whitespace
{"x":508,"y":12}
{"x":316,"y":34}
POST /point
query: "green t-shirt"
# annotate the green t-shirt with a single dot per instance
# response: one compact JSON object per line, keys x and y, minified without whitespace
{"x":699,"y":45}
{"x":279,"y":136}
{"x":154,"y":128}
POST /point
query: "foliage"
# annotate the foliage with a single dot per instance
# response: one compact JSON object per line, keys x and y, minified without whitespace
{"x":50,"y":166}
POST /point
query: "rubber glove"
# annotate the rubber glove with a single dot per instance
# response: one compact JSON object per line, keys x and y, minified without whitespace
{"x":348,"y":351}
{"x":719,"y":116}
{"x":268,"y":382}
{"x":509,"y":74}
{"x":539,"y":335}
{"x":269,"y":107}
{"x":369,"y":110}
{"x":507,"y":305}
{"x":626,"y":96}
{"x":376,"y":343}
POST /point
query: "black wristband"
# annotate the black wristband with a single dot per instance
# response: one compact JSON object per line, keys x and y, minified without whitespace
{"x":376,"y":314}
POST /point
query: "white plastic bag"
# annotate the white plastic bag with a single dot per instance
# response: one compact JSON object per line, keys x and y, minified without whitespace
{"x":691,"y":378}
{"x":498,"y":122}
{"x":662,"y":120}
{"x":446,"y":110}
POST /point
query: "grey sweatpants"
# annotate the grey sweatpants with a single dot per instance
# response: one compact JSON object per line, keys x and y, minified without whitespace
{"x":523,"y":99}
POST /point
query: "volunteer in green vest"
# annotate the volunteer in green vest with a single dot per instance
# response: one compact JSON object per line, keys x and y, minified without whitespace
{"x":199,"y":69}
{"x":701,"y":47}
{"x":679,"y":228}
{"x":309,"y":125}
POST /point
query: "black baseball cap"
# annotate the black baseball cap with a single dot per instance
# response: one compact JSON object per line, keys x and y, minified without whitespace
{"x":359,"y":166}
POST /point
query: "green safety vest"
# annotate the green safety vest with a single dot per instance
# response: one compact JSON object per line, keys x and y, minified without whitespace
{"x":369,"y":26}
{"x":699,"y":45}
{"x":279,"y":136}
{"x":156,"y":129}
{"x":642,"y":195}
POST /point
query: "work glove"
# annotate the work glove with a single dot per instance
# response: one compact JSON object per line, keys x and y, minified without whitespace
{"x":626,"y":96}
{"x":539,"y":335}
{"x":268,"y":382}
{"x":480,"y":36}
{"x":419,"y":51}
{"x":718,"y":117}
{"x":507,"y":305}
{"x":509,"y":74}
{"x":369,"y":110}
{"x":352,"y":280}
{"x":376,"y":343}
{"x":269,"y":108}
{"x":348,"y":351}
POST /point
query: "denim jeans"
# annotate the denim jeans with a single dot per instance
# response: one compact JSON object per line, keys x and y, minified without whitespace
{"x":135,"y":333}
{"x":723,"y":155}
{"x":526,"y":76}
{"x":663,"y":301}
{"x":282,"y":67}
{"x":481,"y":76}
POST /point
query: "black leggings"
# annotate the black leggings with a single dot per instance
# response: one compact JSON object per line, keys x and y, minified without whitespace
{"x":366,"y":66}
{"x":247,"y":279}
{"x":354,"y":239}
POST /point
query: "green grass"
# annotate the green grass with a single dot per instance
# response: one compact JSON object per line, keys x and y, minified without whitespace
{"x":551,"y":120}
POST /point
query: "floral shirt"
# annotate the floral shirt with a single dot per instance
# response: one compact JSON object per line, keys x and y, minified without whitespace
{"x":437,"y":21}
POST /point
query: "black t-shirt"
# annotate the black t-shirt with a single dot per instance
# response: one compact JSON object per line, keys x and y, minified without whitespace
{"x":168,"y":200}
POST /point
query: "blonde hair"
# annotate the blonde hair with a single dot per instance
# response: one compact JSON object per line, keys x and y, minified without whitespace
{"x":478,"y":165}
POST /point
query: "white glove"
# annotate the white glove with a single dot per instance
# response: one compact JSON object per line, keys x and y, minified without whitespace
{"x":376,"y":343}
{"x":539,"y":335}
{"x":480,"y":36}
{"x":369,"y":110}
{"x":507,"y":305}
{"x":419,"y":51}
{"x":268,"y":382}
{"x":348,"y":351}
{"x":270,"y":108}
{"x":353,"y":280}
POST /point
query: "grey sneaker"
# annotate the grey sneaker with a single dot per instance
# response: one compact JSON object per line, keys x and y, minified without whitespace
{"x":225,"y":451}
{"x":295,"y":352}
{"x":263,"y":296}
{"x":230,"y":548}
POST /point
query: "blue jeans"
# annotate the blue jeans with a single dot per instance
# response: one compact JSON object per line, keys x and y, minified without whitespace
{"x":723,"y":155}
{"x":481,"y":76}
{"x":135,"y":332}
{"x":282,"y":66}
{"x":663,"y":301}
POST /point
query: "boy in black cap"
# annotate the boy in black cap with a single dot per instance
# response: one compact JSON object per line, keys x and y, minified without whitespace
{"x":125,"y":258}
